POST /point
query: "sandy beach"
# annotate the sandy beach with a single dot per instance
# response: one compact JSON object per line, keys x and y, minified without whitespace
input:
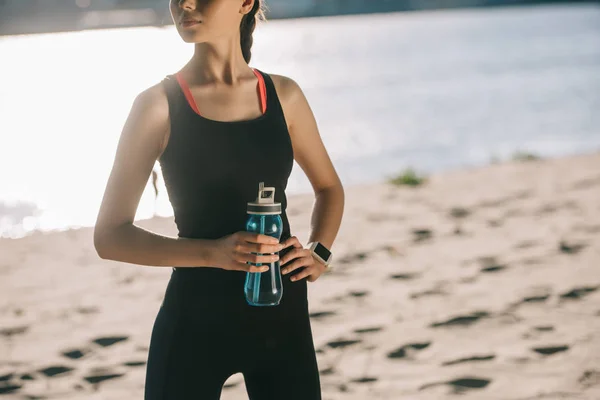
{"x":482,"y":282}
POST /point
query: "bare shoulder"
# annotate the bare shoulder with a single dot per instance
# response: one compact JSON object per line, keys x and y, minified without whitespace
{"x":293,"y":101}
{"x":151,"y":103}
{"x":288,"y":89}
{"x":149,"y":116}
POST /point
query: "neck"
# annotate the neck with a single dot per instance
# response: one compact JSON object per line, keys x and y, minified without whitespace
{"x":218,"y":62}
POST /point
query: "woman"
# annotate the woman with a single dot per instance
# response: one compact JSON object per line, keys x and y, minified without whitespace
{"x":218,"y":128}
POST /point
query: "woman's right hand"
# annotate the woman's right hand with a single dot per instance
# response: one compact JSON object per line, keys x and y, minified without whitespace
{"x":232,"y":252}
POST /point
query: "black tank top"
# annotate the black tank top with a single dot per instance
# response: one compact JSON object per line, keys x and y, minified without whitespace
{"x":212,"y":169}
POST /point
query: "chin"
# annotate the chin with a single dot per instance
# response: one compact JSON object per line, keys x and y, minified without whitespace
{"x":192,"y":37}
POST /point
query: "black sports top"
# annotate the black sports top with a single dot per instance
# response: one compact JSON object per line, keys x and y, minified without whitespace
{"x":212,"y":169}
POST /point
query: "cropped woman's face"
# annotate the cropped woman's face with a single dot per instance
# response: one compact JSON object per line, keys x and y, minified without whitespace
{"x":200,"y":21}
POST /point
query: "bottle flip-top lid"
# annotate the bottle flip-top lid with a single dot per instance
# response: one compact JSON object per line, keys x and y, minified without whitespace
{"x":265,"y":202}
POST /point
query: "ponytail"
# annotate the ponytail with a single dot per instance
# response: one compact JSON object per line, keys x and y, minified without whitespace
{"x":247,"y":28}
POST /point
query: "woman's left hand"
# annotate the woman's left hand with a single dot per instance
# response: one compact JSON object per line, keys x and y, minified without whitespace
{"x":303,"y":258}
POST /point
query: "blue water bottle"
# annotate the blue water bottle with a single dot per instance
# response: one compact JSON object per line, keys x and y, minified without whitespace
{"x":264,"y":217}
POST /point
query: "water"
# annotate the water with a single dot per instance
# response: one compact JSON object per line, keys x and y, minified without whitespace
{"x":432,"y":90}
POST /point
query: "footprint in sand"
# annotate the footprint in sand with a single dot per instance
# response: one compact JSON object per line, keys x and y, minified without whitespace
{"x":343,"y":388}
{"x":536,"y":299}
{"x":353,"y":258}
{"x":391,"y":250}
{"x":429,"y":292}
{"x":462,"y":384}
{"x":578,"y":292}
{"x":405,"y":276}
{"x":463,"y":320}
{"x":494,"y":223}
{"x":550,"y":350}
{"x":9,"y":388}
{"x":537,"y":294}
{"x":459,"y":212}
{"x":321,"y":314}
{"x":364,"y":379}
{"x":342,"y":343}
{"x":100,"y":375}
{"x":420,"y":235}
{"x":109,"y":340}
{"x":590,"y":378}
{"x":526,"y":244}
{"x":55,"y":370}
{"x":369,"y":330}
{"x":570,"y":248}
{"x":13,"y":331}
{"x":537,"y":330}
{"x":586,"y":183}
{"x":544,"y":328}
{"x":88,"y":310}
{"x":488,"y":357}
{"x":134,"y":363}
{"x":7,"y":385}
{"x":408,"y":350}
{"x":490,"y":264}
{"x":76,"y":354}
{"x":327,"y":371}
{"x":493,"y":268}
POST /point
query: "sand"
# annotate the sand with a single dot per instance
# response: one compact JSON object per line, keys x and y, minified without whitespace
{"x":482,"y":282}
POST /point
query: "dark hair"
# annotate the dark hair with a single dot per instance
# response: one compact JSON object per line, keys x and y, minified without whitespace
{"x":247,"y":28}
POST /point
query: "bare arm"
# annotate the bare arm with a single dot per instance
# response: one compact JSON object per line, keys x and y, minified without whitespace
{"x":312,"y":157}
{"x":116,"y":237}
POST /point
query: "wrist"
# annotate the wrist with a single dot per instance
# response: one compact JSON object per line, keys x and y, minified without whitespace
{"x":199,"y":252}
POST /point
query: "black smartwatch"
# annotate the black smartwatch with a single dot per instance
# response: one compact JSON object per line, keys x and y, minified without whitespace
{"x":322,"y":253}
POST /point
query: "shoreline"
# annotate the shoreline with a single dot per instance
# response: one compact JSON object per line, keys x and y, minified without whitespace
{"x":382,"y":181}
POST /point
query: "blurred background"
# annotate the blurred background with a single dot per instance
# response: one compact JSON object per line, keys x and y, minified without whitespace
{"x":474,"y":273}
{"x":433,"y":90}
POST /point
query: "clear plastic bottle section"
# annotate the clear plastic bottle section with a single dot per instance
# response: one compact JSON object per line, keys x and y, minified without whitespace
{"x":264,"y":217}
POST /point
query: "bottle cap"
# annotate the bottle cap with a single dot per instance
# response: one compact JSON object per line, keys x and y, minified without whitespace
{"x":265,"y":202}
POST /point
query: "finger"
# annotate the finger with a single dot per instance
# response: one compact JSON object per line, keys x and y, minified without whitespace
{"x":299,"y":262}
{"x":256,"y":259}
{"x":297,"y":243}
{"x":303,"y":274}
{"x":292,"y":241}
{"x":294,"y":253}
{"x":259,"y":248}
{"x":246,"y":267}
{"x":254,"y":268}
{"x":253,"y":237}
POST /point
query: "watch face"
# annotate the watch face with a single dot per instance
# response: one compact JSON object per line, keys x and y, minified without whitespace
{"x":322,"y":251}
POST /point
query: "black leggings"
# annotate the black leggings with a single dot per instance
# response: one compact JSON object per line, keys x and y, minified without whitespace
{"x":205,"y":332}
